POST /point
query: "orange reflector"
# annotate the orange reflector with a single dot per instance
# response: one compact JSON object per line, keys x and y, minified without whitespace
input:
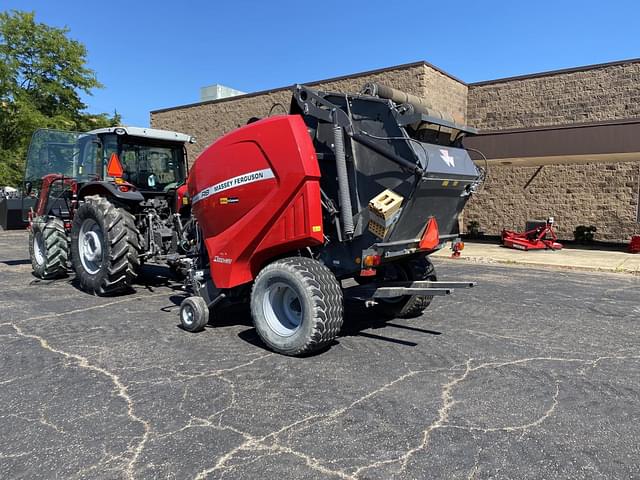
{"x":431,"y":236}
{"x":371,"y":261}
{"x":114,"y":167}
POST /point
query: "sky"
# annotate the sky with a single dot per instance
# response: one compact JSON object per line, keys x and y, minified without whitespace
{"x":156,"y":54}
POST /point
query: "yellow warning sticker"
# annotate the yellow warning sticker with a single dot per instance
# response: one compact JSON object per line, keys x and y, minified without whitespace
{"x":445,"y":183}
{"x":316,"y":228}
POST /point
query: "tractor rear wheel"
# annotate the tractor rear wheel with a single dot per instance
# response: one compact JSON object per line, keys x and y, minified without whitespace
{"x":296,"y":304}
{"x":407,"y":306}
{"x":48,"y":247}
{"x":104,"y":246}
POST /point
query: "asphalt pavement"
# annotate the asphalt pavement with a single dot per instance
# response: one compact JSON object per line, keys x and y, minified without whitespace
{"x":532,"y":374}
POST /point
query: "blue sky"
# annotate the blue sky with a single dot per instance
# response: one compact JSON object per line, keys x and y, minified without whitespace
{"x":155,"y":54}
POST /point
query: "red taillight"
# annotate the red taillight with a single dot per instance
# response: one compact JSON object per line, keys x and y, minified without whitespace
{"x":371,"y":261}
{"x":431,"y":236}
{"x":114,"y":167}
{"x":124,"y":188}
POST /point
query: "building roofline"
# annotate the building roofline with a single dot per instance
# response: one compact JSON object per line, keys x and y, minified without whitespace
{"x":402,"y":67}
{"x":555,"y":72}
{"x":325,"y":80}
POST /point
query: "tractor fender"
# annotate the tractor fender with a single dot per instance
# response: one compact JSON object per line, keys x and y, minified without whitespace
{"x":109,"y":189}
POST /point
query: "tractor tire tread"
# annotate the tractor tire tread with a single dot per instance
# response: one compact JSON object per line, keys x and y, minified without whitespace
{"x":56,"y":246}
{"x":122,"y":237}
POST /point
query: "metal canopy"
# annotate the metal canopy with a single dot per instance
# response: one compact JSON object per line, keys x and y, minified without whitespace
{"x":411,"y":118}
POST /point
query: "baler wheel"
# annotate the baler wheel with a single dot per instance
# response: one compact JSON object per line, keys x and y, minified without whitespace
{"x":410,"y":306}
{"x":194,"y":314}
{"x":296,"y":304}
{"x":49,"y":247}
{"x":104,"y":246}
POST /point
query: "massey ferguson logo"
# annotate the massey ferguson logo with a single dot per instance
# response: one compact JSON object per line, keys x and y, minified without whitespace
{"x":446,"y":158}
{"x":238,"y":181}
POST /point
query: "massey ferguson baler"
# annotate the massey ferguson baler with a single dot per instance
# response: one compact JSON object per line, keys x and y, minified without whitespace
{"x":289,"y":207}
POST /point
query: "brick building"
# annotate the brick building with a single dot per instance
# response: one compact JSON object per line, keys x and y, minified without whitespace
{"x":564,"y":143}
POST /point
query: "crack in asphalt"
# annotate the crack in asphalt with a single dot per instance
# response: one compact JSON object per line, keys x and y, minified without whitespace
{"x":253,"y":443}
{"x":222,"y":371}
{"x":252,"y":447}
{"x":121,"y":388}
{"x":269,"y":444}
{"x":515,"y":428}
{"x":448,"y":403}
{"x":41,"y":420}
{"x":93,"y":307}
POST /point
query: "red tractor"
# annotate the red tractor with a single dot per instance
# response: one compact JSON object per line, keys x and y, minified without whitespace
{"x":107,"y":200}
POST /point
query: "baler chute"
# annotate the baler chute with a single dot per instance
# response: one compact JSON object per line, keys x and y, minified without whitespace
{"x":345,"y":186}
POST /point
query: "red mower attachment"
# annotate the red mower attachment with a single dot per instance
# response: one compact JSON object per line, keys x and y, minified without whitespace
{"x":534,"y":239}
{"x":456,"y":247}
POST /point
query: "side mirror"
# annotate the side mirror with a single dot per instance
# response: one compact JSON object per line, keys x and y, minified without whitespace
{"x":28,"y":188}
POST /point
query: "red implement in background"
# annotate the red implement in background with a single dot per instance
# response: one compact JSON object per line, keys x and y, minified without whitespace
{"x":535,"y":239}
{"x":634,"y":246}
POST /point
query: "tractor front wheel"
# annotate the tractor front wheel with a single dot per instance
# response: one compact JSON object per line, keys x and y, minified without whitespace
{"x":48,"y":247}
{"x":104,"y":246}
{"x":296,"y":304}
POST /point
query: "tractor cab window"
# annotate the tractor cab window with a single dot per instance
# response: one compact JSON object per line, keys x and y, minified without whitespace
{"x":149,"y":167}
{"x":61,"y":154}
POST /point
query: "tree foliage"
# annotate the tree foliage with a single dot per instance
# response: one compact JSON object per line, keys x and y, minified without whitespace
{"x":43,"y":72}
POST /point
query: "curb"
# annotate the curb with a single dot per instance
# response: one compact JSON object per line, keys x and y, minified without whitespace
{"x":584,"y":268}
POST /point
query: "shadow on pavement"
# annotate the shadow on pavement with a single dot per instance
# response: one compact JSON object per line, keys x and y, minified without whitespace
{"x":11,"y":263}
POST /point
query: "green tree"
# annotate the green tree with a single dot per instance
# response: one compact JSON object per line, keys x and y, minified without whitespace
{"x":42,"y":75}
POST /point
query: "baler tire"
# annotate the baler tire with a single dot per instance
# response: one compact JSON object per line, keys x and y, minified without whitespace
{"x":317,"y":315}
{"x":412,"y":306}
{"x":119,"y":250}
{"x":194,"y":314}
{"x":48,"y":247}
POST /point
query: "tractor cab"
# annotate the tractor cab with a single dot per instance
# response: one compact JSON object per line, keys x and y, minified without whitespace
{"x":153,"y":161}
{"x":119,"y":161}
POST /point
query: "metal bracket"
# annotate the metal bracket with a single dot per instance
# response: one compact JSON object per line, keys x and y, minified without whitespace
{"x":428,"y":288}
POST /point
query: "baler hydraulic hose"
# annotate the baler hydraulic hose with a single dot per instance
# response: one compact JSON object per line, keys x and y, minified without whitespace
{"x":404,"y":163}
{"x":343,"y":181}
